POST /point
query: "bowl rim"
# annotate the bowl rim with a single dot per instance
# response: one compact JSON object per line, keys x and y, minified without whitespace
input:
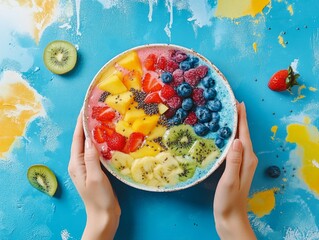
{"x":218,"y":162}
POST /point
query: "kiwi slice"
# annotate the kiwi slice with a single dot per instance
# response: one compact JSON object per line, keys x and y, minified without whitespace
{"x":43,"y":179}
{"x":188,"y":166}
{"x":179,"y":139}
{"x":203,"y":151}
{"x":60,"y":56}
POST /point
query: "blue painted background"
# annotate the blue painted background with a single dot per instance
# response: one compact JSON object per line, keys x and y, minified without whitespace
{"x":25,"y":213}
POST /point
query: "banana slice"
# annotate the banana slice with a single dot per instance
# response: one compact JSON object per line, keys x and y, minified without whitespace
{"x":122,"y":162}
{"x":143,"y":170}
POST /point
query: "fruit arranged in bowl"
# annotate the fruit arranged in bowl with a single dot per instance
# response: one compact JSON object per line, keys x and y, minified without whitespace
{"x":161,"y":116}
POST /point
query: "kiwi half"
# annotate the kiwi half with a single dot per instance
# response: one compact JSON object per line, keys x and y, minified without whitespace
{"x":60,"y":56}
{"x":188,"y":166}
{"x":179,"y":139}
{"x":43,"y":179}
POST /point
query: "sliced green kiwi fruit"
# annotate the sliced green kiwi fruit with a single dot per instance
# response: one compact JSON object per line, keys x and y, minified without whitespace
{"x":43,"y":179}
{"x":188,"y":166}
{"x":60,"y":56}
{"x":179,"y":139}
{"x":203,"y":152}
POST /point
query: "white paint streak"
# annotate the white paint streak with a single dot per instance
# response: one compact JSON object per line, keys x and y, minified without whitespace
{"x":294,"y":65}
{"x":65,"y":235}
{"x":315,"y":163}
{"x":315,"y":49}
{"x":262,"y":227}
{"x":108,"y":3}
{"x":66,"y":26}
{"x":49,"y":133}
{"x":167,"y":29}
{"x":78,"y":9}
{"x":202,"y":12}
{"x":150,"y":12}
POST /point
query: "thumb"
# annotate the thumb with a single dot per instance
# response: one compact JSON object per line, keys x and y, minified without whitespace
{"x":233,"y":161}
{"x":91,"y":159}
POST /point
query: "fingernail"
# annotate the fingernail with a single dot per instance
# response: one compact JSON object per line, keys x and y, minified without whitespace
{"x":243,"y":104}
{"x":237,"y":146}
{"x":88,"y":143}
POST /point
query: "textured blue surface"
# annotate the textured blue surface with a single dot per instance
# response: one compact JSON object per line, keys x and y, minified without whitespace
{"x":185,"y":215}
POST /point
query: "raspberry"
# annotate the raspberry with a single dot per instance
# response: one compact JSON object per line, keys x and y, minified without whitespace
{"x":198,"y":96}
{"x":150,"y":61}
{"x":174,"y":102}
{"x":179,"y":56}
{"x":161,"y":63}
{"x":171,"y":66}
{"x":178,"y":78}
{"x":170,"y":113}
{"x":202,"y":71}
{"x":192,"y":77}
{"x":167,"y":92}
{"x":106,"y":153}
{"x":191,"y":119}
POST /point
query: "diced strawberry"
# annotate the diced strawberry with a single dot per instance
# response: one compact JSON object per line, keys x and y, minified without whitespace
{"x":198,"y":96}
{"x":171,"y":66}
{"x":106,"y":153}
{"x":150,"y":84}
{"x":202,"y":71}
{"x":150,"y":61}
{"x":191,"y":77}
{"x":103,"y":113}
{"x":161,"y":63}
{"x":178,"y":78}
{"x":116,"y":141}
{"x":135,"y":140}
{"x":153,"y":97}
{"x":99,"y":134}
{"x":167,"y":92}
{"x":191,"y":119}
{"x":174,"y":102}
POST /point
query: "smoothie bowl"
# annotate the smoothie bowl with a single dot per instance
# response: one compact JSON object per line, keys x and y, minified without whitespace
{"x":161,"y":116}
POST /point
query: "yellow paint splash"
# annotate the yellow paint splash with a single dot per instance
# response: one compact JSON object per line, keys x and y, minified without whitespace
{"x":43,"y":14}
{"x":274,"y":131}
{"x":290,"y":10}
{"x":300,"y":96}
{"x":262,"y":203}
{"x":255,"y":47}
{"x":306,"y":136}
{"x":281,"y":41}
{"x":312,"y":89}
{"x":239,"y":8}
{"x":19,"y":105}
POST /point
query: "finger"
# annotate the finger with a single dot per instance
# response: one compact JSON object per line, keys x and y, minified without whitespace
{"x":92,"y":160}
{"x":243,"y":129}
{"x":78,"y":138}
{"x":233,"y":163}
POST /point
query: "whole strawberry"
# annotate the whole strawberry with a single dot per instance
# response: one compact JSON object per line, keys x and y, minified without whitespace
{"x":283,"y":80}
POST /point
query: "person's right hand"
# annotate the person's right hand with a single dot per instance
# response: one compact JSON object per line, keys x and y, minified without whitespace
{"x":231,"y":197}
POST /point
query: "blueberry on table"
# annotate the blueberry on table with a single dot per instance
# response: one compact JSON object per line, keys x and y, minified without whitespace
{"x":273,"y":171}
{"x":187,"y":104}
{"x":224,"y":132}
{"x":208,"y":82}
{"x":203,"y":114}
{"x":184,"y":90}
{"x":181,"y":114}
{"x":201,"y":129}
{"x":214,"y":105}
{"x":219,"y":142}
{"x":209,"y":93}
{"x":166,"y":77}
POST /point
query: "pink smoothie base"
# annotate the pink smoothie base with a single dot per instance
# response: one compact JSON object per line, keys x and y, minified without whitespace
{"x":93,"y":94}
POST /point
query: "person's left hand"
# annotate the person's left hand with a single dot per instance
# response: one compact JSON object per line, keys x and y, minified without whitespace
{"x":102,"y":207}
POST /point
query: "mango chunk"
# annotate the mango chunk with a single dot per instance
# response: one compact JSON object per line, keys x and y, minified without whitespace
{"x":146,"y":124}
{"x":133,"y":80}
{"x":157,"y":132}
{"x":131,"y":61}
{"x":123,"y":128}
{"x":162,"y":108}
{"x":150,"y":148}
{"x":134,"y":114}
{"x":120,"y":102}
{"x":113,"y":84}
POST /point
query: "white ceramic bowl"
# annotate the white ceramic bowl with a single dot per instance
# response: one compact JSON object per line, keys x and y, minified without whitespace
{"x":229,"y":106}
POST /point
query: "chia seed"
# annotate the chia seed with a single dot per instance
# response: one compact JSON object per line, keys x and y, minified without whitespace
{"x":103,"y":96}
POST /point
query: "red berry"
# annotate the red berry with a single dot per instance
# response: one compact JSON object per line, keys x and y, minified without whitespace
{"x":202,"y":71}
{"x":174,"y":102}
{"x":171,"y":66}
{"x":283,"y":80}
{"x":106,"y":153}
{"x":150,"y":84}
{"x":153,"y":98}
{"x":135,"y":140}
{"x":103,"y":113}
{"x":161,"y":63}
{"x":170,"y":113}
{"x":99,"y":134}
{"x":191,"y":77}
{"x":191,"y":119}
{"x":178,"y":78}
{"x":150,"y":61}
{"x":179,"y":56}
{"x":116,"y":141}
{"x":198,"y":96}
{"x":167,"y":92}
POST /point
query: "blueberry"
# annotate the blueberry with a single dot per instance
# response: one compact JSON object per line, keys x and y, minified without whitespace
{"x":215,"y":117}
{"x":273,"y":171}
{"x":181,"y":114}
{"x":208,"y":82}
{"x":200,"y":129}
{"x":194,"y":61}
{"x":224,"y":132}
{"x":184,"y":90}
{"x":174,"y":121}
{"x":185,"y":65}
{"x":166,"y":77}
{"x":187,"y":104}
{"x":213,"y":126}
{"x":209,"y":93}
{"x":214,"y":105}
{"x":203,"y":114}
{"x":219,"y":142}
